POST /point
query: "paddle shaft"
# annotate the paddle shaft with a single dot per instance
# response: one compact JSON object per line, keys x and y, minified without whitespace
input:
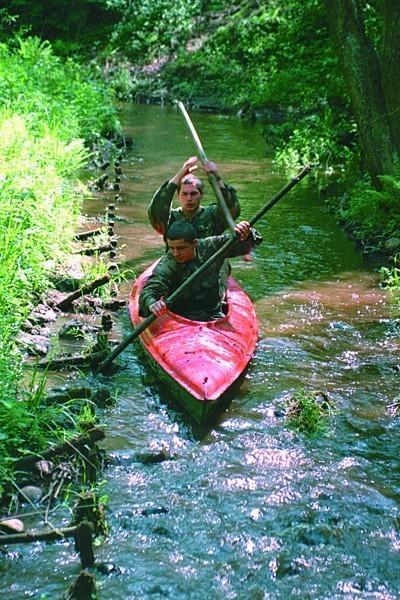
{"x":211,"y":176}
{"x":220,"y":252}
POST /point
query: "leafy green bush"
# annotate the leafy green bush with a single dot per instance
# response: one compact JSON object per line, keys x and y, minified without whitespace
{"x":373,"y":215}
{"x":275,"y":54}
{"x":391,"y":278}
{"x":72,"y":26}
{"x":27,"y":423}
{"x":314,"y":139}
{"x":149,"y":28}
{"x":38,"y":209}
{"x":37,"y":198}
{"x":54,"y":95}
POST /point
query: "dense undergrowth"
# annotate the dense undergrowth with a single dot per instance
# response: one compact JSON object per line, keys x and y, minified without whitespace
{"x":48,"y":110}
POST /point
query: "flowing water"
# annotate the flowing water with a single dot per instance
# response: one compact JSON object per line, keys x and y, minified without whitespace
{"x":249,"y":508}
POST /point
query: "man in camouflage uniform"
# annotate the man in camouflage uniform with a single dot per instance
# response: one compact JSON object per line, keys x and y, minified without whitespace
{"x":200,"y":301}
{"x":206,"y":220}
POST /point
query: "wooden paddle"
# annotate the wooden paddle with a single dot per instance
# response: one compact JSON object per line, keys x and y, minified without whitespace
{"x":212,"y":178}
{"x":228,"y":244}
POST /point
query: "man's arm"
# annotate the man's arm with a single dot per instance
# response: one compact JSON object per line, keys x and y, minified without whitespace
{"x":188,"y":166}
{"x":248,"y":237}
{"x":160,"y":205}
{"x":156,"y":288}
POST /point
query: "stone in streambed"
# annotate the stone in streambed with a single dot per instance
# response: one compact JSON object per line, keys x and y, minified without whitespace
{"x":12,"y":526}
{"x":32,"y":493}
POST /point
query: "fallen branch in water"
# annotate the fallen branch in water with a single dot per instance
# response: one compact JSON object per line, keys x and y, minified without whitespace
{"x":85,"y":289}
{"x":96,"y":250}
{"x":84,"y":235}
{"x":82,"y":534}
{"x":42,"y":536}
{"x":76,"y":360}
{"x":73,"y":446}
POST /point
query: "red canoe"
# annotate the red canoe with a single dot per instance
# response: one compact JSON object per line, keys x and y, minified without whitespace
{"x":199,"y":361}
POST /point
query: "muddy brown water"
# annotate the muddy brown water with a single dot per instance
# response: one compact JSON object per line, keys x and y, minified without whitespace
{"x":249,"y":508}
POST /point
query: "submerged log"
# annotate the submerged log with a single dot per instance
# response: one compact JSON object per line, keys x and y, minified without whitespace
{"x":62,"y":395}
{"x":97,"y":250}
{"x":71,"y":447}
{"x":40,"y":536}
{"x":76,"y":360}
{"x":85,"y":289}
{"x":83,"y":588}
{"x":114,"y":304}
{"x":99,"y":395}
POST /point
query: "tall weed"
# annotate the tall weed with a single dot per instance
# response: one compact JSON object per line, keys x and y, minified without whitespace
{"x":49,"y":109}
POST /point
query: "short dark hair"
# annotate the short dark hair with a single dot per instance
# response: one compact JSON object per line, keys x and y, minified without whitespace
{"x":193,"y":180}
{"x":181,"y":230}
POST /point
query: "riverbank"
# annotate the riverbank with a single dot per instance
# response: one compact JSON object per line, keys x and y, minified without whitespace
{"x":52,"y":114}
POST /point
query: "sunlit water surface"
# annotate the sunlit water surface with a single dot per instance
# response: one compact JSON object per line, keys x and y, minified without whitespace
{"x":249,"y":509}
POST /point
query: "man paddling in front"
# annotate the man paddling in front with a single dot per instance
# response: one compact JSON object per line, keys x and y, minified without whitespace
{"x":206,"y":220}
{"x":202,"y":300}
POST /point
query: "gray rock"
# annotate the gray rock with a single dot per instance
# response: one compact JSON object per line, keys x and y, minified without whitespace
{"x":27,"y":325}
{"x":40,"y":330}
{"x":76,"y":329}
{"x":32,"y":493}
{"x":44,"y":314}
{"x":34,"y":344}
{"x":154,"y":510}
{"x":44,"y":467}
{"x":108,"y":568}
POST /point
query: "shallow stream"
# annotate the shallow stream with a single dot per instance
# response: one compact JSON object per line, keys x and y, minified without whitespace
{"x":249,"y":508}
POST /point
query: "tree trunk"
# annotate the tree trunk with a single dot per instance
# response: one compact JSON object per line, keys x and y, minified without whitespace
{"x":390,"y":66}
{"x":361,"y":72}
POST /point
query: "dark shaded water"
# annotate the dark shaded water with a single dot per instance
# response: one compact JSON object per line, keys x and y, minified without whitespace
{"x":250,"y":509}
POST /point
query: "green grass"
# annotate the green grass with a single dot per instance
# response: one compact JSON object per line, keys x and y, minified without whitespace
{"x":49,"y":110}
{"x":53,"y":95}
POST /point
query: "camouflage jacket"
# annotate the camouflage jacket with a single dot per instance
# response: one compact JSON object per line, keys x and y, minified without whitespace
{"x":203,"y":296}
{"x":208,"y":221}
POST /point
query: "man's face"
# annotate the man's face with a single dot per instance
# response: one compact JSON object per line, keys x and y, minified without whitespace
{"x":189,"y":197}
{"x":181,"y":250}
